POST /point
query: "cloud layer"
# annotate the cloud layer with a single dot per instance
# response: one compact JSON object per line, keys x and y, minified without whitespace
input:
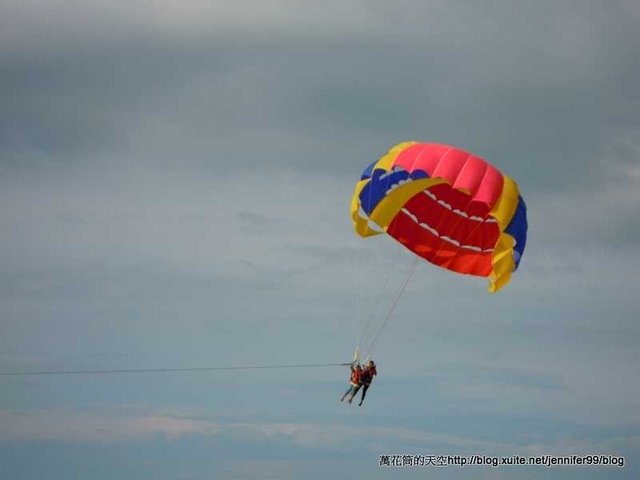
{"x":175,"y":180}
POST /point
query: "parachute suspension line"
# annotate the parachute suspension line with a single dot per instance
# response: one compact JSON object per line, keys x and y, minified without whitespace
{"x":365,"y":315}
{"x":371,"y":317}
{"x":404,"y":284}
{"x":383,"y":295}
{"x":358,"y":323}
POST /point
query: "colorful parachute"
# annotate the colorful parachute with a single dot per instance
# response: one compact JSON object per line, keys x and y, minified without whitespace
{"x":446,"y":205}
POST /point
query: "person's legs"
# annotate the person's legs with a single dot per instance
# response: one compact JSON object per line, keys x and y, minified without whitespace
{"x":349,"y":390}
{"x":364,"y":392}
{"x":355,"y":392}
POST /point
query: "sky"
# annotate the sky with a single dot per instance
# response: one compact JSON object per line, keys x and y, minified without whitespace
{"x":175,"y":182}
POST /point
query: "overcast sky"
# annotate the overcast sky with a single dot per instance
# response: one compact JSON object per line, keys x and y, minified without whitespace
{"x":175,"y":180}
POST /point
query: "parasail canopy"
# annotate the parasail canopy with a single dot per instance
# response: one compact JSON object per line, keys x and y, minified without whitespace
{"x":446,"y":205}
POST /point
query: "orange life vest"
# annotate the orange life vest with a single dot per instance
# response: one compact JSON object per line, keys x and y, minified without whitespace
{"x":355,"y":376}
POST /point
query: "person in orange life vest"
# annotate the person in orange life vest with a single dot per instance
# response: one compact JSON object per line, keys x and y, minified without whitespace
{"x":354,"y":383}
{"x":365,"y":379}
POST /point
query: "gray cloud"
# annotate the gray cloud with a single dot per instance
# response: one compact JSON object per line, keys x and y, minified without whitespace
{"x":175,"y":180}
{"x":291,"y":91}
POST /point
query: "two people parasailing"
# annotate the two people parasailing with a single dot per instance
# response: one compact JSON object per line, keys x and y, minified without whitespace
{"x":360,"y":378}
